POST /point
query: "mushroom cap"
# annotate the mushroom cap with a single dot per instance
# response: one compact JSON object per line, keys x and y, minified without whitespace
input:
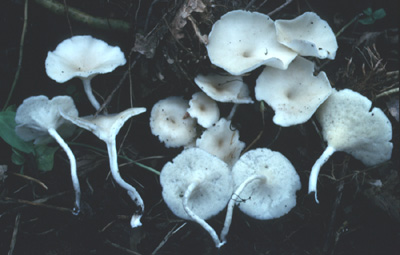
{"x":349,"y":124}
{"x":195,"y":165}
{"x":37,"y":114}
{"x":204,"y":109}
{"x":295,"y":93}
{"x":82,"y":56}
{"x":224,"y":88}
{"x":270,"y":199}
{"x":220,"y":140}
{"x":169,"y":121}
{"x":308,"y":35}
{"x":105,"y":127}
{"x":241,"y":41}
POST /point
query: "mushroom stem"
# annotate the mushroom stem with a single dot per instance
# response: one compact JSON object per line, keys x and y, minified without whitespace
{"x":112,"y":154}
{"x":196,"y":218}
{"x":74,"y":175}
{"x":234,"y":199}
{"x":88,"y":90}
{"x":233,"y":111}
{"x":312,"y":183}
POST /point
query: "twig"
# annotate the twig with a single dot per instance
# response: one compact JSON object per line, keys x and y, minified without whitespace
{"x":280,"y":7}
{"x":30,"y":179}
{"x":14,"y":235}
{"x":348,"y":24}
{"x":27,"y":202}
{"x":67,"y":16}
{"x":388,"y":92}
{"x":119,"y":247}
{"x":21,"y":51}
{"x":108,"y":100}
{"x":77,"y":15}
{"x":167,"y":236}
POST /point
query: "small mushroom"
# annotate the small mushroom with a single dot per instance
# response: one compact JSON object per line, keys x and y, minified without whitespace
{"x":38,"y":117}
{"x":172,"y":124}
{"x":308,"y":35}
{"x":265,"y":186}
{"x":84,"y":57}
{"x":241,"y":41}
{"x":295,"y":93}
{"x":349,"y":124}
{"x":222,"y":141}
{"x":224,"y":88}
{"x":196,"y":186}
{"x":106,"y":128}
{"x":204,"y":109}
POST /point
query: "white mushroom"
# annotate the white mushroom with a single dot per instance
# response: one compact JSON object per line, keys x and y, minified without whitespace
{"x":308,"y":35}
{"x":295,"y":93}
{"x":204,"y":109}
{"x":197,"y":186}
{"x":38,"y":117}
{"x":265,"y":186}
{"x":83,"y":57}
{"x":241,"y":41}
{"x":222,"y":141}
{"x":224,"y":88}
{"x":106,"y":128}
{"x":349,"y":124}
{"x":171,"y":123}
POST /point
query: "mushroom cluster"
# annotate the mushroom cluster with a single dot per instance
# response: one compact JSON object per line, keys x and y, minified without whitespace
{"x":39,"y":118}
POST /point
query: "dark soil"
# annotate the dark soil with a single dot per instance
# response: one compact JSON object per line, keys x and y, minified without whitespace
{"x":353,"y":217}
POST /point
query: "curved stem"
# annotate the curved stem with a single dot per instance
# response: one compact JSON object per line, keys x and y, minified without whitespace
{"x":312,"y":183}
{"x":232,"y":202}
{"x":112,"y":154}
{"x":196,"y":218}
{"x":89,"y":92}
{"x":72,"y":161}
{"x":233,"y":111}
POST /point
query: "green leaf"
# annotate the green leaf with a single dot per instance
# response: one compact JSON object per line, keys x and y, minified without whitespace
{"x":379,"y":14}
{"x":367,"y":21}
{"x":17,"y":157}
{"x":44,"y":155}
{"x":368,"y":11}
{"x":7,"y":132}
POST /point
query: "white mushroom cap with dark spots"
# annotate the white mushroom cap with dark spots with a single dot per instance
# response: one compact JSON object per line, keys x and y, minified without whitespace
{"x":82,"y":56}
{"x":241,"y":41}
{"x":204,"y":109}
{"x":172,"y":124}
{"x":295,"y":93}
{"x":222,"y":141}
{"x":214,"y":180}
{"x":224,"y":88}
{"x":308,"y":35}
{"x":272,"y":197}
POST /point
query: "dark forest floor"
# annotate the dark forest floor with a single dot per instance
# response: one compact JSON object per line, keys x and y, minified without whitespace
{"x":353,"y":217}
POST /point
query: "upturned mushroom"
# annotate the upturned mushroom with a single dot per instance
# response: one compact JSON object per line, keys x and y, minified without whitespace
{"x":349,"y":124}
{"x":240,"y":41}
{"x":106,"y":128}
{"x":171,"y":123}
{"x":265,"y":186}
{"x":307,"y":35}
{"x":84,"y":57}
{"x":196,"y":186}
{"x":204,"y":109}
{"x":294,"y":93}
{"x":220,"y":140}
{"x":37,"y":118}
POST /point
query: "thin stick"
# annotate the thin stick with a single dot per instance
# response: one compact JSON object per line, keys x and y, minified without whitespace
{"x":30,"y":179}
{"x":27,"y":202}
{"x":167,"y":236}
{"x":14,"y":235}
{"x":21,"y":51}
{"x":280,"y":7}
